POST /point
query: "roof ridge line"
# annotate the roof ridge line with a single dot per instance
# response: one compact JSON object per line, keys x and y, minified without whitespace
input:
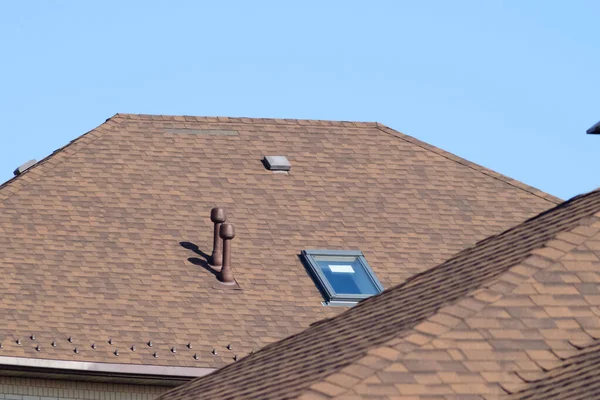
{"x":469,"y":164}
{"x":251,"y":120}
{"x":26,"y":178}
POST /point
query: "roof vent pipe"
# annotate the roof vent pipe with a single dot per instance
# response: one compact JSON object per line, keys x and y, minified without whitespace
{"x":217,"y":216}
{"x":227,"y":232}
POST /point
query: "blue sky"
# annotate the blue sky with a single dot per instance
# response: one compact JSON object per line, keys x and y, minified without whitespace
{"x":511,"y":85}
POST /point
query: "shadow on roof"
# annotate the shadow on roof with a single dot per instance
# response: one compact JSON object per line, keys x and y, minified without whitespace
{"x":199,"y":261}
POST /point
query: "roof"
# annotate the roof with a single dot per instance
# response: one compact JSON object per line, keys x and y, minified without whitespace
{"x":488,"y":322}
{"x":105,"y":241}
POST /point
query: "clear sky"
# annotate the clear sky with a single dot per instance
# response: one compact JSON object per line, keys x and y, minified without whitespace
{"x":511,"y":85}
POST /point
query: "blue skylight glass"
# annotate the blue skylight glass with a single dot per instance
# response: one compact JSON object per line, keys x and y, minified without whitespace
{"x":343,"y":276}
{"x":347,"y":276}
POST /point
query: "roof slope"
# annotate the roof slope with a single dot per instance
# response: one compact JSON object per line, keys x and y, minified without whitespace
{"x":94,"y":237}
{"x":465,"y":327}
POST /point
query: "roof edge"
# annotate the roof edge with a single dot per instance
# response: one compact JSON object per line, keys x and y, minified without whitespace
{"x":82,"y":370}
{"x":14,"y":184}
{"x":469,"y":164}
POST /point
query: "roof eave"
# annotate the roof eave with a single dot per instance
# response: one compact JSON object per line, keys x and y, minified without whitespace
{"x":95,"y":371}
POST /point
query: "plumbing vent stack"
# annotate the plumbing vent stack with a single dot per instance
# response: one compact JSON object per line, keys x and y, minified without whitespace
{"x":217,"y":216}
{"x":227,"y":232}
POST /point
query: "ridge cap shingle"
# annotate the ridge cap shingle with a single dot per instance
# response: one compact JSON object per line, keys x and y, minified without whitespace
{"x":250,"y":120}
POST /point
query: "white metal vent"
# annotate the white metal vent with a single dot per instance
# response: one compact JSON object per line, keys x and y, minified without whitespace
{"x":277,"y":163}
{"x":24,"y":167}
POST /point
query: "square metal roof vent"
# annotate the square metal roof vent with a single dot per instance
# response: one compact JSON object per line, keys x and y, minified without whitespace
{"x":277,"y":163}
{"x":24,"y":167}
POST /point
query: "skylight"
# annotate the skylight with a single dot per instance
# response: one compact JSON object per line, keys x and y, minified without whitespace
{"x":344,"y":276}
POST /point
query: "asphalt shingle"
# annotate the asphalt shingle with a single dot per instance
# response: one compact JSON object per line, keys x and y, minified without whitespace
{"x":108,"y":237}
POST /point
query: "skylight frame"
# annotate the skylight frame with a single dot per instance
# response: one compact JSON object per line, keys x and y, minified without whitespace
{"x":325,"y":286}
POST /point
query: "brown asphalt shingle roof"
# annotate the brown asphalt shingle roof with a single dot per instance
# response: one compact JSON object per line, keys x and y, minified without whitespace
{"x":91,"y":236}
{"x":486,"y":323}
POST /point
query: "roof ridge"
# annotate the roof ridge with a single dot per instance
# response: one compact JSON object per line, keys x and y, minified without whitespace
{"x":469,"y":164}
{"x":250,"y":120}
{"x":33,"y":173}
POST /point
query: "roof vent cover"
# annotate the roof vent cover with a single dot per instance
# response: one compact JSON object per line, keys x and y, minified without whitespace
{"x":24,"y":167}
{"x":277,"y":163}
